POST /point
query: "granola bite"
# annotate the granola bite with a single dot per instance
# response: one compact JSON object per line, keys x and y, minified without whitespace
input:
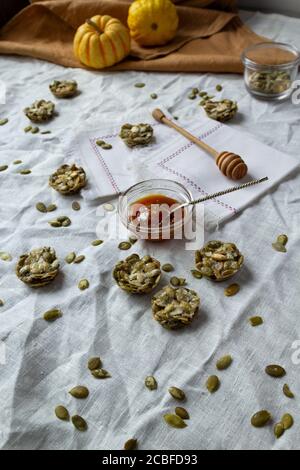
{"x":40,"y":111}
{"x":38,"y":267}
{"x":218,"y":260}
{"x":63,"y":88}
{"x":137,"y":275}
{"x":68,"y":179}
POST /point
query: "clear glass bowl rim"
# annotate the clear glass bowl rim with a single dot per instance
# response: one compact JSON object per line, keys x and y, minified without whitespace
{"x":151,"y":180}
{"x":261,"y":45}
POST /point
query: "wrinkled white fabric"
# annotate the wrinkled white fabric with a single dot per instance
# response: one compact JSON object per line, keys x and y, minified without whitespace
{"x":40,"y":362}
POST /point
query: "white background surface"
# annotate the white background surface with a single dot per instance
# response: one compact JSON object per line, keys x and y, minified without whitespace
{"x":43,"y":361}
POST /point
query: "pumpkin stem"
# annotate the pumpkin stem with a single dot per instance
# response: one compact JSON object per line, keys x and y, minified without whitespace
{"x":93,"y":25}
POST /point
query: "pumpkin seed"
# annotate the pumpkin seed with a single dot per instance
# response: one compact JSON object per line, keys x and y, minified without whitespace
{"x":219,"y":87}
{"x":174,"y":281}
{"x":54,"y":223}
{"x":275,"y":371}
{"x":256,"y":321}
{"x":66,"y":222}
{"x":100,"y":374}
{"x":153,"y":96}
{"x":124,"y":246}
{"x":51,"y":207}
{"x":279,"y":247}
{"x":133,"y":240}
{"x":179,"y":411}
{"x":34,"y":130}
{"x":3,"y":121}
{"x":79,"y":423}
{"x":5,"y":256}
{"x":287,"y":421}
{"x":202,"y":94}
{"x":108,"y":207}
{"x":139,"y":85}
{"x":79,"y":392}
{"x":107,"y":146}
{"x":196,"y":274}
{"x":40,"y":206}
{"x":17,"y":162}
{"x":282,"y":239}
{"x":260,"y":418}
{"x":191,"y":96}
{"x":213,"y":383}
{"x":45,"y":132}
{"x":176,"y":118}
{"x":25,"y":172}
{"x":177,"y":393}
{"x":76,"y":206}
{"x":278,"y":430}
{"x":150,"y":382}
{"x":100,"y":142}
{"x":70,"y":257}
{"x":167,"y":267}
{"x":231,"y":290}
{"x":174,"y":421}
{"x":83,"y":284}
{"x":94,"y":363}
{"x":97,"y":242}
{"x":224,"y":362}
{"x":62,"y":413}
{"x":3,"y":167}
{"x":52,"y":315}
{"x":79,"y":259}
{"x":27,"y":128}
{"x":287,"y":391}
{"x":131,"y":444}
{"x":1,"y":303}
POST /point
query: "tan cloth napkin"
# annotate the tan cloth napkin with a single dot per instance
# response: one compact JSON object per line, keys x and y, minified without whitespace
{"x":207,"y":39}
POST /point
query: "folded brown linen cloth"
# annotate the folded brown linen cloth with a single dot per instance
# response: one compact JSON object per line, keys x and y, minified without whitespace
{"x":210,"y":37}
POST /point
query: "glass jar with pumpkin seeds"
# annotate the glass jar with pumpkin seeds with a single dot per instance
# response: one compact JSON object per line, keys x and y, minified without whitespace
{"x":270,"y":70}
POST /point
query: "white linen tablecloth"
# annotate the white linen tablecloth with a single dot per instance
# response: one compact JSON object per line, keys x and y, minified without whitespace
{"x":40,"y":362}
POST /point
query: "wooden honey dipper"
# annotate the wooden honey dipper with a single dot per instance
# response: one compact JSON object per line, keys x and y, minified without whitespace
{"x":230,"y":164}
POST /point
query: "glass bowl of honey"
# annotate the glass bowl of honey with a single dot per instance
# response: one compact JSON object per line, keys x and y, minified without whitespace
{"x":147,"y":209}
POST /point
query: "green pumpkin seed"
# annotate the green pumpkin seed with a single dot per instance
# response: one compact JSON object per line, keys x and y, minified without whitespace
{"x":213,"y":383}
{"x":35,"y":130}
{"x":279,"y":247}
{"x":54,"y":223}
{"x":139,"y":85}
{"x":202,"y":94}
{"x":177,"y":393}
{"x":79,"y":259}
{"x":5,"y":256}
{"x":83,"y":284}
{"x":196,"y":274}
{"x":219,"y":88}
{"x":181,"y":412}
{"x":100,"y":374}
{"x":3,"y":167}
{"x":176,"y":118}
{"x":45,"y":132}
{"x":94,"y":363}
{"x":192,"y":96}
{"x":62,"y":413}
{"x":133,"y":240}
{"x":97,"y":242}
{"x":66,"y":222}
{"x":76,"y":206}
{"x":17,"y":162}
{"x":260,"y":418}
{"x":175,"y":281}
{"x":52,"y":315}
{"x":124,"y":246}
{"x":70,"y":257}
{"x":256,"y":321}
{"x":287,"y":391}
{"x":278,"y":430}
{"x":224,"y":362}
{"x":131,"y":444}
{"x":3,"y":121}
{"x":25,"y":172}
{"x":1,"y":303}
{"x":282,"y":239}
{"x":153,"y":96}
{"x":51,"y":207}
{"x":27,"y":128}
{"x":275,"y":370}
{"x":100,"y":142}
{"x":287,"y":421}
{"x":79,"y":392}
{"x":167,"y":267}
{"x":40,"y":206}
{"x":150,"y":382}
{"x":79,"y":423}
{"x":232,"y":290}
{"x":174,"y":421}
{"x":107,"y":146}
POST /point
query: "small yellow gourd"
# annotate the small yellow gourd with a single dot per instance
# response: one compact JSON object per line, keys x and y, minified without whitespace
{"x":152,"y":22}
{"x":101,"y":41}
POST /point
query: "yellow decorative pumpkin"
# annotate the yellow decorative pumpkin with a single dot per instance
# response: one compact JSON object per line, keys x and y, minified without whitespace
{"x":101,"y":41}
{"x":152,"y":22}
